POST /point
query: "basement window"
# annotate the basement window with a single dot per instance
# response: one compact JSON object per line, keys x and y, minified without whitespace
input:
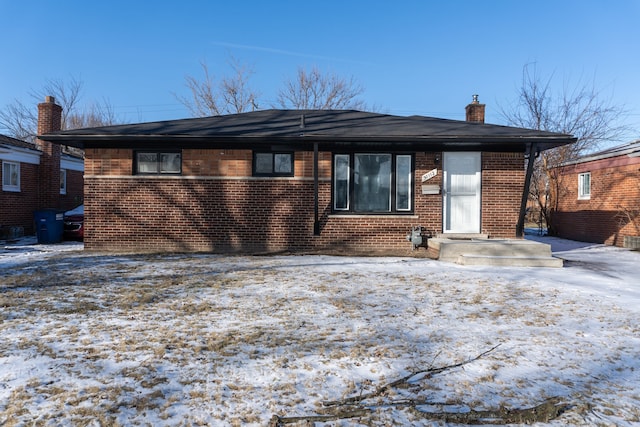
{"x":584,"y":186}
{"x":11,"y":176}
{"x":272,"y":164}
{"x":373,"y":183}
{"x":158,"y":163}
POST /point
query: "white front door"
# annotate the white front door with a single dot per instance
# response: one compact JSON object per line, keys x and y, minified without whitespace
{"x":461,"y":192}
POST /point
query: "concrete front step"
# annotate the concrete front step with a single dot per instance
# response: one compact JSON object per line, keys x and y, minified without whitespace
{"x":462,"y":236}
{"x":510,"y":261}
{"x":514,"y":252}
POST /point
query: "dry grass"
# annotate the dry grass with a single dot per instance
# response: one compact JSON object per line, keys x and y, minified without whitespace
{"x":180,"y":340}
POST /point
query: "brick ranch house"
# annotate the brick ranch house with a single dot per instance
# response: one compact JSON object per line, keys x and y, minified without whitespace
{"x":302,"y":180}
{"x":600,"y":199}
{"x":37,"y":176}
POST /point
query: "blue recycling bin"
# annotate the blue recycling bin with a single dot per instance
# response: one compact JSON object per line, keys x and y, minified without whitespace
{"x":49,"y":225}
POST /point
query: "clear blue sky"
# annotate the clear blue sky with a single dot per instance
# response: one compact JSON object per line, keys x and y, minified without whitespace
{"x":412,"y":57}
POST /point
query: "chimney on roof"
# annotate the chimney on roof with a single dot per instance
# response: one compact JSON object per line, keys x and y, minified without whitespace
{"x":49,"y":120}
{"x":49,"y":116}
{"x":475,"y":111}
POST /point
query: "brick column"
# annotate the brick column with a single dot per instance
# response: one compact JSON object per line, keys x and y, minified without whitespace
{"x":49,"y":120}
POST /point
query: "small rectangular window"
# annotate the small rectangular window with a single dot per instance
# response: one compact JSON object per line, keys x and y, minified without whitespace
{"x":63,"y":181}
{"x":584,"y":186}
{"x":272,"y":164}
{"x":10,"y":176}
{"x":159,"y":163}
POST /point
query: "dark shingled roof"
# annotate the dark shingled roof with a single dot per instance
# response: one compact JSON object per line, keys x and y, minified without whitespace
{"x":331,"y":129}
{"x":7,"y":140}
{"x":631,"y":149}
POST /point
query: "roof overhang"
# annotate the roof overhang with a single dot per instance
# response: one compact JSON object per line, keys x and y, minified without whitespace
{"x":20,"y":154}
{"x":306,"y":142}
{"x":301,"y":130}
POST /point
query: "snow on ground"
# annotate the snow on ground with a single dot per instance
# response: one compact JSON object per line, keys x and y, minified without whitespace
{"x":164,"y":340}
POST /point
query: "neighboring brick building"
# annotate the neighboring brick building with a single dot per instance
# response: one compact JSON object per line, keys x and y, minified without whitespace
{"x":301,"y":180}
{"x":37,"y":176}
{"x":600,"y":198}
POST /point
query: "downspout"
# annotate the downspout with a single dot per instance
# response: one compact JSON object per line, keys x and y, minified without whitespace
{"x":316,"y":220}
{"x":525,"y":190}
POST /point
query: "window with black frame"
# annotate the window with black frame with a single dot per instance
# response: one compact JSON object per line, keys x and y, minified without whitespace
{"x":373,"y":183}
{"x":273,"y":163}
{"x":158,"y":163}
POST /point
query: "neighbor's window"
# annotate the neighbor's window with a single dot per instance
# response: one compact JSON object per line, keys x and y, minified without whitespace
{"x":372,"y":182}
{"x":164,"y":163}
{"x":10,"y":176}
{"x":63,"y":181}
{"x":584,"y":185}
{"x":272,"y":164}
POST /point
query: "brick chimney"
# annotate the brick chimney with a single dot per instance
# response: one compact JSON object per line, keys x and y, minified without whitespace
{"x":475,"y":111}
{"x":49,"y":120}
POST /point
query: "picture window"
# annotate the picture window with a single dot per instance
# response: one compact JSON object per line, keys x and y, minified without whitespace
{"x":373,"y":183}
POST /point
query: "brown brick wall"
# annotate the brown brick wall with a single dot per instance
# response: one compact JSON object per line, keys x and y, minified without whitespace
{"x":236,"y":163}
{"x":615,"y":189}
{"x":16,"y":208}
{"x":502,"y":184}
{"x":211,"y":208}
{"x":108,"y":162}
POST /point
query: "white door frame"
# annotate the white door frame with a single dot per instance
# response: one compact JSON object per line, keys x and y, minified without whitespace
{"x":461,"y":192}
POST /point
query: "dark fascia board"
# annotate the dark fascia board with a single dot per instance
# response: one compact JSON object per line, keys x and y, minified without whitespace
{"x":305,"y":142}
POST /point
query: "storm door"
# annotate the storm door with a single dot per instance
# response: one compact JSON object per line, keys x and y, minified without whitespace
{"x":461,"y":192}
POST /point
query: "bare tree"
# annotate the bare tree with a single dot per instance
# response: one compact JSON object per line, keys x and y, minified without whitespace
{"x":67,"y":95}
{"x":236,"y":92}
{"x":314,"y":90}
{"x":93,"y":115}
{"x":231,"y":94}
{"x":579,"y":110}
{"x":21,"y":120}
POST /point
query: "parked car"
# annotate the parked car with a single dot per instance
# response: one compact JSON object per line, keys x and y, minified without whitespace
{"x":74,"y":224}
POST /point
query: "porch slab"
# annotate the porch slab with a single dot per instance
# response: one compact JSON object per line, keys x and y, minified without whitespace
{"x":497,"y":252}
{"x":462,"y":236}
{"x":510,"y":261}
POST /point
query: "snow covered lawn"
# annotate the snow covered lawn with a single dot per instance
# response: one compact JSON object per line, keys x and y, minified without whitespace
{"x":91,"y":339}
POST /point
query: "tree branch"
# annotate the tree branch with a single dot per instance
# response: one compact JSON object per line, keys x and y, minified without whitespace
{"x":425,"y":374}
